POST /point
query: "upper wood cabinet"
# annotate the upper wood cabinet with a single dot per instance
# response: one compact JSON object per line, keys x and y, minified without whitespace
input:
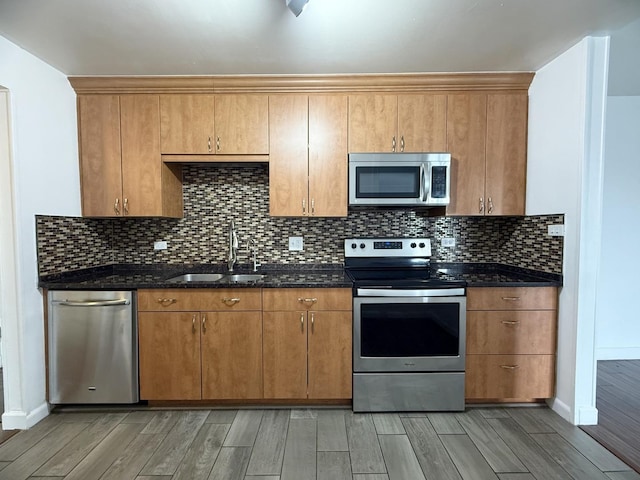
{"x":397,"y":123}
{"x":214,"y":124}
{"x":308,"y":155}
{"x":487,"y":138}
{"x":120,"y":165}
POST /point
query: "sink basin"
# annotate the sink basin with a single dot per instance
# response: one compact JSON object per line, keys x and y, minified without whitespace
{"x":198,"y":277}
{"x":217,"y":277}
{"x":243,"y":278}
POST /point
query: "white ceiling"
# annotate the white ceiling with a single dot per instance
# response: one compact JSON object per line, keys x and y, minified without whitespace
{"x":214,"y":37}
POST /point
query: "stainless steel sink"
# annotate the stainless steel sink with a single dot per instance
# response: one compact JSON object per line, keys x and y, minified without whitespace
{"x":198,"y":277}
{"x":243,"y":278}
{"x":217,"y":277}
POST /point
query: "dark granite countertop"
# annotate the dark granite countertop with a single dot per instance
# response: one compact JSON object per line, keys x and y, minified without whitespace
{"x":128,"y":277}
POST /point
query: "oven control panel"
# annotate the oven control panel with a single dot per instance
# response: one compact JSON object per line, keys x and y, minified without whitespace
{"x":387,"y":247}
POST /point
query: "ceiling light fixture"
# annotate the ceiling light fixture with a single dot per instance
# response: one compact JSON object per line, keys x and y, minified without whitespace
{"x":296,"y":6}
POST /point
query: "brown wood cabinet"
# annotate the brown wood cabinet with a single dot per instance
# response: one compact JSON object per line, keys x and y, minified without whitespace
{"x":397,"y":123}
{"x":511,"y":343}
{"x":200,"y":344}
{"x":487,"y":138}
{"x":206,"y":124}
{"x":308,"y":155}
{"x":120,"y":165}
{"x":307,"y":343}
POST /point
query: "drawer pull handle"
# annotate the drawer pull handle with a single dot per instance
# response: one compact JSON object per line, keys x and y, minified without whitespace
{"x":230,"y":301}
{"x":511,"y":299}
{"x":204,"y":323}
{"x":312,"y":322}
{"x":165,"y":302}
{"x":302,"y":322}
{"x":307,"y":300}
{"x":510,"y":322}
{"x":509,"y":367}
{"x":193,"y":323}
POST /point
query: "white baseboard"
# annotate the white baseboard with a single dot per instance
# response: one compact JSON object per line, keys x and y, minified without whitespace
{"x":625,"y":353}
{"x":22,"y":420}
{"x":587,"y":416}
{"x":561,"y":409}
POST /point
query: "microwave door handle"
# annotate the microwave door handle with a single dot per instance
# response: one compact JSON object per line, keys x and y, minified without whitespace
{"x":424,"y":183}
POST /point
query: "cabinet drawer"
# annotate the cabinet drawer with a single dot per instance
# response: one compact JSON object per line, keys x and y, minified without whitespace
{"x":512,"y":298}
{"x":517,"y":377}
{"x":287,"y":299}
{"x":511,"y":332}
{"x":209,"y":299}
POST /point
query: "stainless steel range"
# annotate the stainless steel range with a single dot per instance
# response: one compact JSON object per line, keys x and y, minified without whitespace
{"x":408,"y":329}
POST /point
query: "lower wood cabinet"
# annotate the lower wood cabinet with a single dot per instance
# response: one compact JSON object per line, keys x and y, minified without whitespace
{"x":307,"y":343}
{"x":193,"y":355}
{"x":511,"y":343}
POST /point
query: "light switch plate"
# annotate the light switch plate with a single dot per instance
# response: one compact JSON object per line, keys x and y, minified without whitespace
{"x":296,"y":243}
{"x":448,"y":242}
{"x":555,"y":230}
{"x":159,"y":245}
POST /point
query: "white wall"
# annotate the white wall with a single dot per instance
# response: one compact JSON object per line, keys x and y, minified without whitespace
{"x":617,"y":315}
{"x":45,"y":181}
{"x":565,"y":117}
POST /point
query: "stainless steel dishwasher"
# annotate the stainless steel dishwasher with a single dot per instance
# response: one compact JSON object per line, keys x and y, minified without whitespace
{"x":93,"y":347}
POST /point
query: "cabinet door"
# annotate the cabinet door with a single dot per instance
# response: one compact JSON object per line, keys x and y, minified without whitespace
{"x":422,"y":123}
{"x":285,"y":354}
{"x":186,"y":124}
{"x":373,"y":123}
{"x":506,"y":154}
{"x":141,"y":161}
{"x":231,"y":355}
{"x":466,"y":131}
{"x":100,"y":155}
{"x":242,"y":124}
{"x":288,"y":158}
{"x":169,"y":355}
{"x":328,"y":156}
{"x":330,"y":357}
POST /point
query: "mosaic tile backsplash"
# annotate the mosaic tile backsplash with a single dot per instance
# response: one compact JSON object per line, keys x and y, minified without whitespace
{"x":214,"y":195}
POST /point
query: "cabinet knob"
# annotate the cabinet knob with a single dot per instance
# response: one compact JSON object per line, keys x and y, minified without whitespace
{"x":490,"y":205}
{"x":209,"y":144}
{"x":402,"y":143}
{"x":193,"y":323}
{"x":302,"y":322}
{"x":204,"y":323}
{"x":125,"y":206}
{"x":481,"y":206}
{"x":116,"y":206}
{"x":304,"y":206}
{"x":393,"y":143}
{"x":217,"y":144}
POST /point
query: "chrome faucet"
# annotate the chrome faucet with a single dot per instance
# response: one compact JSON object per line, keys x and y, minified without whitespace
{"x":254,"y":253}
{"x":233,"y":246}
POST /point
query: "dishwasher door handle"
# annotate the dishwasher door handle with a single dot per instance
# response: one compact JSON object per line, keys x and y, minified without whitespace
{"x":97,"y":303}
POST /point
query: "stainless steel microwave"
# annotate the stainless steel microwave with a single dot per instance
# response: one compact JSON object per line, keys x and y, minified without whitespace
{"x":397,"y":179}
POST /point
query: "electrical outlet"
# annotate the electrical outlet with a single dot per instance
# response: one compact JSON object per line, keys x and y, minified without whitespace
{"x":159,"y":245}
{"x":555,"y":230}
{"x":296,"y":243}
{"x":448,"y":242}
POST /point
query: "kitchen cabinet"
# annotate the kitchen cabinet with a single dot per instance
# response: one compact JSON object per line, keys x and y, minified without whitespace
{"x":200,"y":344}
{"x":308,"y":155}
{"x":511,"y":343}
{"x":487,"y":138}
{"x":120,"y":165}
{"x":397,"y":123}
{"x":307,"y":343}
{"x":207,"y":124}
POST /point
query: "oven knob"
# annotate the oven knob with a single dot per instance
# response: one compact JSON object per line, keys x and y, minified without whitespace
{"x":421,"y":244}
{"x":413,"y":245}
{"x":362,"y":245}
{"x":354,"y":245}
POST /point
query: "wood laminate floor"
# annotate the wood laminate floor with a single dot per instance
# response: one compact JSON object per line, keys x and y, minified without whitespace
{"x":300,"y":444}
{"x":618,"y":403}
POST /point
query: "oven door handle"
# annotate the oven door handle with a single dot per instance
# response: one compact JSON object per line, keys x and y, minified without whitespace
{"x":433,"y":292}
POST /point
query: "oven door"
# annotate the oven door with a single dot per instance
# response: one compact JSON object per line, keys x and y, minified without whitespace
{"x":409,"y":333}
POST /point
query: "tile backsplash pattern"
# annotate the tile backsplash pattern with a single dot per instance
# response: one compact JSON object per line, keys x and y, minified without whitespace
{"x":214,"y":195}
